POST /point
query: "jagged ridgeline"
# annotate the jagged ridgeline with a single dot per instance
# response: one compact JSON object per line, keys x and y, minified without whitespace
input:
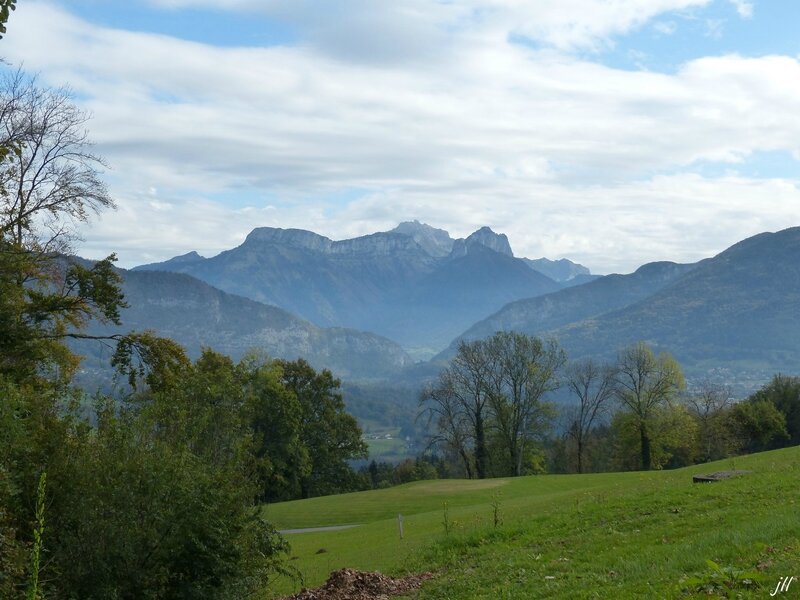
{"x":414,"y":284}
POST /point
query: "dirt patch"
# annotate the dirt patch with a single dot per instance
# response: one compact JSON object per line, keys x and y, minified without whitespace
{"x":348,"y":584}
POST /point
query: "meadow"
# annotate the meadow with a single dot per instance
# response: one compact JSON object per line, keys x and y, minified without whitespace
{"x":613,"y":535}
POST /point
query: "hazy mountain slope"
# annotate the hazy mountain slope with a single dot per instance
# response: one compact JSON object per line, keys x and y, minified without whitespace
{"x":197,"y":315}
{"x":544,"y":313}
{"x":458,"y":292}
{"x":326,"y":282}
{"x":741,"y":307}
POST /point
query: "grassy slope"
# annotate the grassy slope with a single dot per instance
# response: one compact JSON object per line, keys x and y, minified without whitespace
{"x":609,"y":535}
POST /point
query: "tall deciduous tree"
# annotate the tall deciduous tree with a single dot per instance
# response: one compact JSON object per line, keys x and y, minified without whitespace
{"x":49,"y":182}
{"x":524,"y":369}
{"x":329,"y":434}
{"x":494,"y":388}
{"x":593,"y":385}
{"x":708,"y":404}
{"x":646,"y":382}
{"x":461,"y":399}
{"x":454,"y":433}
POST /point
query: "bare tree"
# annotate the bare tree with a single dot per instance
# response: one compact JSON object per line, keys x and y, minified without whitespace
{"x":593,"y":385}
{"x":525,"y":369}
{"x":454,"y":433}
{"x":644,"y":383}
{"x":50,"y":178}
{"x":707,"y":404}
{"x":50,"y":183}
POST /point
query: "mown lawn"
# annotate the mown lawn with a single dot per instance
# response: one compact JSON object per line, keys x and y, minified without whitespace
{"x":617,"y":535}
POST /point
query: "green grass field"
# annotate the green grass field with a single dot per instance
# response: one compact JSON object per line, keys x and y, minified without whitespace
{"x":616,"y":535}
{"x":392,"y":450}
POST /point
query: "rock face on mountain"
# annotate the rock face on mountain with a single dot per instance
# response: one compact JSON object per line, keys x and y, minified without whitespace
{"x":483,"y":237}
{"x":403,"y":284}
{"x":739,"y":310}
{"x":436,"y":242}
{"x":197,"y":315}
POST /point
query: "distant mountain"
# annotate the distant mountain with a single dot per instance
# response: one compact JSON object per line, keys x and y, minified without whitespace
{"x":739,"y":310}
{"x":561,"y":270}
{"x":570,"y":305}
{"x":198,"y":315}
{"x":415,"y":284}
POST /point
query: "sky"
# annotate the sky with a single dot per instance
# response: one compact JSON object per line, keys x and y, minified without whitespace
{"x":609,"y":132}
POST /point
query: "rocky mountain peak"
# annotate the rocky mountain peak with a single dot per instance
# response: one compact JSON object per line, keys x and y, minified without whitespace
{"x":483,"y":237}
{"x":436,"y":242}
{"x":295,"y":238}
{"x":495,"y":241}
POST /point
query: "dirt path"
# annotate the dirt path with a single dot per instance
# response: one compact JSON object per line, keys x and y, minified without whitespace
{"x":317,"y":529}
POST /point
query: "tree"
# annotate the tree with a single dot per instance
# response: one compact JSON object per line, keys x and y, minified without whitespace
{"x":644,"y":383}
{"x":49,"y":183}
{"x":51,"y":179}
{"x":672,"y":434}
{"x":708,"y":405}
{"x":593,"y":385}
{"x":489,"y":400}
{"x":5,"y":7}
{"x":757,"y":425}
{"x":784,"y":393}
{"x":453,"y":430}
{"x":461,"y":401}
{"x":329,"y":434}
{"x":523,"y":370}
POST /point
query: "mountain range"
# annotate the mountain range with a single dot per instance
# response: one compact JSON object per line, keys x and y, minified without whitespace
{"x":736,"y":314}
{"x":414,"y":284}
{"x":739,"y":310}
{"x":197,"y":316}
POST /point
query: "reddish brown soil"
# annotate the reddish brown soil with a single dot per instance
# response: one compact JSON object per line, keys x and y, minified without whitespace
{"x":347,"y":584}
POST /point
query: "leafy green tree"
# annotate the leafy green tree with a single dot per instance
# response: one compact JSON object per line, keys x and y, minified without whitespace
{"x":6,"y":6}
{"x":672,"y":433}
{"x":756,"y":425}
{"x":276,"y":417}
{"x":644,"y":383}
{"x":329,"y":434}
{"x":784,"y":393}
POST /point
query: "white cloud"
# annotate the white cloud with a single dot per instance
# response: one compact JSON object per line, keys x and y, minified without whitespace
{"x":665,"y":27}
{"x":562,"y":24}
{"x":566,"y":156}
{"x":743,"y":7}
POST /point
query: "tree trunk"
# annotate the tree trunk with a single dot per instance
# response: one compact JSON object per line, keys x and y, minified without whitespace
{"x":580,"y":455}
{"x":645,"y":447}
{"x":480,"y":447}
{"x":467,"y":466}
